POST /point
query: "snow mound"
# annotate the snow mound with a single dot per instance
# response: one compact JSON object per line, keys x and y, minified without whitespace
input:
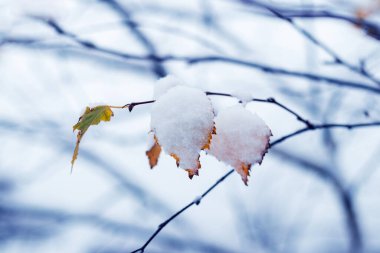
{"x":241,"y":139}
{"x":182,"y":120}
{"x":165,"y":83}
{"x":243,"y":95}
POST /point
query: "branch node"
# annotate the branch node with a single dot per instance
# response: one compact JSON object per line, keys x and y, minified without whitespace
{"x":310,"y":125}
{"x":141,"y":250}
{"x":338,"y":60}
{"x":197,"y":200}
{"x":130,"y":106}
{"x":88,"y":44}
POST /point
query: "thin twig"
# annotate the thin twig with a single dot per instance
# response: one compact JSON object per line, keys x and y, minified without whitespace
{"x":337,"y":59}
{"x":270,"y":100}
{"x":132,"y":105}
{"x":371,"y":28}
{"x":210,"y":93}
{"x":309,"y":127}
{"x":158,"y":68}
{"x":344,"y":194}
{"x":298,"y":117}
{"x":206,"y":59}
{"x":53,"y":219}
{"x":197,"y":201}
{"x":276,"y":71}
{"x":325,"y":126}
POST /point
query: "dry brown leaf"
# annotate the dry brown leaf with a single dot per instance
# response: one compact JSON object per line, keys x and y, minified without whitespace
{"x":182,"y":120}
{"x":244,"y":172}
{"x":176,"y":159}
{"x":241,"y":139}
{"x":195,"y":171}
{"x":154,"y":153}
{"x":207,"y":145}
{"x":191,"y":172}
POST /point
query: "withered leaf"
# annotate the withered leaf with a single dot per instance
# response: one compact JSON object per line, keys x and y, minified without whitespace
{"x":240,"y":142}
{"x":182,"y":120}
{"x":244,"y":172}
{"x":194,"y":171}
{"x":91,"y":116}
{"x":191,"y":172}
{"x":176,"y":158}
{"x":154,"y":153}
{"x":207,"y":145}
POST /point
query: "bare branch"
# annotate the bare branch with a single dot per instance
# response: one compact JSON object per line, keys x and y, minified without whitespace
{"x":337,"y":59}
{"x":345,"y":197}
{"x":276,"y":71}
{"x":370,"y":28}
{"x":270,"y":101}
{"x":325,"y":126}
{"x":197,"y":201}
{"x":53,"y":218}
{"x":122,"y":11}
{"x":208,"y":59}
{"x":273,"y":101}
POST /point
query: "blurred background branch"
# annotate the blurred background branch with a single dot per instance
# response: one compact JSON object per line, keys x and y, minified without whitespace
{"x":314,"y":193}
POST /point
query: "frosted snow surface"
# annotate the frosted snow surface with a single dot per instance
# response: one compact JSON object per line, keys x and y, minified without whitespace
{"x":182,"y":120}
{"x":150,"y":140}
{"x":243,"y":95}
{"x":165,"y":83}
{"x":242,"y":137}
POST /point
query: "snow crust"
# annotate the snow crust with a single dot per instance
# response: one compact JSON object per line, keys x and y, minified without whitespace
{"x":241,"y":137}
{"x":182,"y":120}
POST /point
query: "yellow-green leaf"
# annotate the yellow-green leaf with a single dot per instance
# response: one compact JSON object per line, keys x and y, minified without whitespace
{"x":91,"y":116}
